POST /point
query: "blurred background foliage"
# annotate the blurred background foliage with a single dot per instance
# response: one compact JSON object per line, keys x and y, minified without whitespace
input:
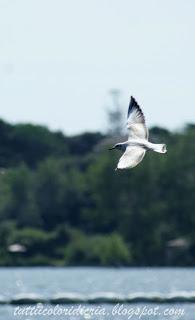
{"x":61,"y":199}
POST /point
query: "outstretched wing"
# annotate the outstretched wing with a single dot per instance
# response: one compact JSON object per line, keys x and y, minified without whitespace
{"x":136,"y":121}
{"x":131,"y":157}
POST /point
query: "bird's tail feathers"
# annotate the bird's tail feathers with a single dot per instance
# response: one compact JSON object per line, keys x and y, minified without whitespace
{"x":161,"y":148}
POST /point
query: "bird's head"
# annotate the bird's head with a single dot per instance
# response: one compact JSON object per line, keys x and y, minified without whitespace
{"x":118,"y":146}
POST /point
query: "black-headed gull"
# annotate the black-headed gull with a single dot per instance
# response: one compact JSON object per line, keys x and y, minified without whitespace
{"x":137,"y":144}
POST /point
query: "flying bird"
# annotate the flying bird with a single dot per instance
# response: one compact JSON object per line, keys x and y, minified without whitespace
{"x":137,"y":144}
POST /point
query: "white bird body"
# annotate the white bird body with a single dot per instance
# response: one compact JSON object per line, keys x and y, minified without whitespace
{"x":145,"y":144}
{"x":137,"y":144}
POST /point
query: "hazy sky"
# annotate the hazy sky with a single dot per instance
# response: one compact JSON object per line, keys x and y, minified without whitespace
{"x":59,"y":59}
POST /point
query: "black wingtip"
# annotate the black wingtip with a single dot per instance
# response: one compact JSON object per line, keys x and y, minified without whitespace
{"x":133,"y":100}
{"x":133,"y":104}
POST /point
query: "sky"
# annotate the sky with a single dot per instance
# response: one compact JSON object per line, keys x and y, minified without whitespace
{"x":59,"y":59}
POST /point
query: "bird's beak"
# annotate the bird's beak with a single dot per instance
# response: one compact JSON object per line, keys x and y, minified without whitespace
{"x":111,"y":148}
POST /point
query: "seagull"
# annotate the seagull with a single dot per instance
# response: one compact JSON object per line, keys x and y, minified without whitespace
{"x":137,"y":144}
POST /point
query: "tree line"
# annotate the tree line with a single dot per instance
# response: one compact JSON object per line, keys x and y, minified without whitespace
{"x":61,"y":199}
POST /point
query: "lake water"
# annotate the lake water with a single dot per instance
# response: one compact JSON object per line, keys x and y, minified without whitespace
{"x":48,"y":282}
